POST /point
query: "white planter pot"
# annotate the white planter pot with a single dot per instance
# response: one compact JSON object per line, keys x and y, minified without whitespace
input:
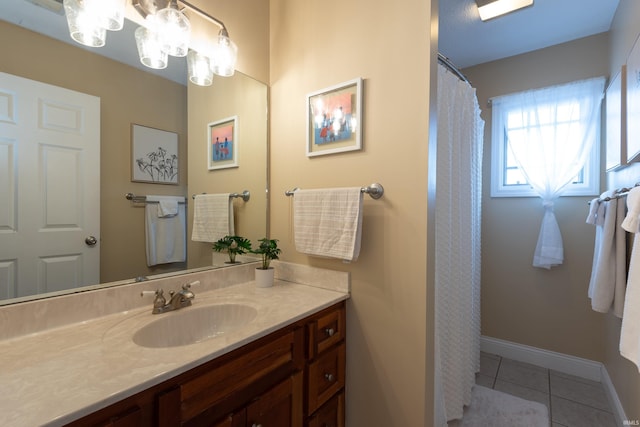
{"x":264,"y":278}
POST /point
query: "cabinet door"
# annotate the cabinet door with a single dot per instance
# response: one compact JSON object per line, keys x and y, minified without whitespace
{"x":331,"y":414}
{"x":278,"y":407}
{"x":238,"y":419}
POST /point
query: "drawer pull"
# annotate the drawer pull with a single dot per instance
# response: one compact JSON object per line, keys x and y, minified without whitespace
{"x":256,"y":425}
{"x":329,"y":332}
{"x":329,"y":377}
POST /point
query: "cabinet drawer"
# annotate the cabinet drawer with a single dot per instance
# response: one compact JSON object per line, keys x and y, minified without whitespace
{"x":331,"y":414}
{"x":326,"y":376}
{"x":326,"y":331}
{"x":235,"y":376}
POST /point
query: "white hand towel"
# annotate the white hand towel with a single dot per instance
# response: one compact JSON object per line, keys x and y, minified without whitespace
{"x":167,"y":205}
{"x":630,"y":332}
{"x":328,"y":222}
{"x":603,"y":279}
{"x":593,"y":210}
{"x":212,"y":217}
{"x":165,"y":235}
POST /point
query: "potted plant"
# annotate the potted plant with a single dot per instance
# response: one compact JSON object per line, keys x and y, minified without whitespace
{"x":268,"y":250}
{"x":232,"y":245}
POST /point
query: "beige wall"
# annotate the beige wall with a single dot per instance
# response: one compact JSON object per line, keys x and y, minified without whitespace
{"x":316,"y":44}
{"x":245,"y":99}
{"x":624,"y":374}
{"x":520,"y":303}
{"x":127,"y":96}
{"x":550,"y":309}
{"x":248,"y":26}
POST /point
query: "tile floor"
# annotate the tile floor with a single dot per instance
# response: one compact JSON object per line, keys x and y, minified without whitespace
{"x":572,"y":401}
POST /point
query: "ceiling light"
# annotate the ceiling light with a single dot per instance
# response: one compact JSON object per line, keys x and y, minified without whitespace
{"x":84,"y":24}
{"x":199,"y":69}
{"x":174,"y":28}
{"x":166,"y":31}
{"x":224,"y":55}
{"x":150,"y":45}
{"x":489,"y":9}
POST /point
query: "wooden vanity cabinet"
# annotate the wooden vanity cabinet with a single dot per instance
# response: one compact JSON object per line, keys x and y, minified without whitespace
{"x":293,"y":377}
{"x":325,"y":368}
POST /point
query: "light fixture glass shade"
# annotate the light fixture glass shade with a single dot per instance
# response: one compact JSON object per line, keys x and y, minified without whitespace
{"x":489,"y":9}
{"x":199,"y":69}
{"x":109,"y":12}
{"x":84,"y":24}
{"x":175,"y":29}
{"x":150,"y":48}
{"x":224,"y":55}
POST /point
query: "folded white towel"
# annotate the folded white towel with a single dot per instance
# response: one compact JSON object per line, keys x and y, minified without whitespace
{"x":167,"y":205}
{"x":166,"y":234}
{"x":593,"y":210}
{"x":212,"y":217}
{"x":630,"y":331}
{"x":328,"y":222}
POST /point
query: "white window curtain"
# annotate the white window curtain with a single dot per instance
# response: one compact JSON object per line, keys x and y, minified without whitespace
{"x":550,"y":132}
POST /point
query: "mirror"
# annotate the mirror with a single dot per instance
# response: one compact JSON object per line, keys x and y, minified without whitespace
{"x":132,"y":95}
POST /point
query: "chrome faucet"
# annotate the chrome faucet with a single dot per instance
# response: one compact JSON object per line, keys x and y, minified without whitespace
{"x":177,"y":300}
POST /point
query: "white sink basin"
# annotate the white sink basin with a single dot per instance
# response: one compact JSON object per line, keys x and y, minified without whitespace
{"x":193,"y":324}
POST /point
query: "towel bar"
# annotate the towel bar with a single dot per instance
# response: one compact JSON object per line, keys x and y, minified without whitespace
{"x":142,"y":199}
{"x":375,"y":191}
{"x":245,"y":195}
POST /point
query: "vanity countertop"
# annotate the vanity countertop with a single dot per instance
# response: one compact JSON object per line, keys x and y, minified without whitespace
{"x":59,"y":375}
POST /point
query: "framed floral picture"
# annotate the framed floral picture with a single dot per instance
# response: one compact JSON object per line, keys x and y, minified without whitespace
{"x":222,"y":139}
{"x":154,"y":155}
{"x":334,"y":119}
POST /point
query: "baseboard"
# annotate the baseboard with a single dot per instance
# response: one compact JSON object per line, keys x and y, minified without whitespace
{"x":548,"y":359}
{"x":572,"y":365}
{"x":612,"y":395}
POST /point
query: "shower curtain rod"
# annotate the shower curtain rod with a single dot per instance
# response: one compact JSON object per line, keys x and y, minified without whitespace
{"x":455,"y":70}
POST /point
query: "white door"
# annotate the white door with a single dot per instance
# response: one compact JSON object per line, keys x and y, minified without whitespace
{"x":49,"y":188}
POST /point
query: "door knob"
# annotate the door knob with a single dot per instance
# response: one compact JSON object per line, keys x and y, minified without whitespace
{"x":91,"y":241}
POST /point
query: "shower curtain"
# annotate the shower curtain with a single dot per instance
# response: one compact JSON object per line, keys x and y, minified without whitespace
{"x":457,"y":257}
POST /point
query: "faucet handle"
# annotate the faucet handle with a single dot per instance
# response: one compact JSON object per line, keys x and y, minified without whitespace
{"x":187,"y":286}
{"x":145,"y":293}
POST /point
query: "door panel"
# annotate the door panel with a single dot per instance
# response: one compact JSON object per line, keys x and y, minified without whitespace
{"x":49,"y":187}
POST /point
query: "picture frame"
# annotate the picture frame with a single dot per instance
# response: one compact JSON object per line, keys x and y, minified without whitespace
{"x":222,"y":144}
{"x":616,"y":123}
{"x":633,"y":103}
{"x":154,"y":155}
{"x":334,"y":119}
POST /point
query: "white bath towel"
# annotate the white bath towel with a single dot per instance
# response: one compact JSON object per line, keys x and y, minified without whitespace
{"x":630,"y":332}
{"x":165,"y":235}
{"x":212,"y":217}
{"x":328,"y":222}
{"x":603,"y":270}
{"x":621,"y":260}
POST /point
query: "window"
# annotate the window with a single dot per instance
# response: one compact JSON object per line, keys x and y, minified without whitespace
{"x":555,"y":112}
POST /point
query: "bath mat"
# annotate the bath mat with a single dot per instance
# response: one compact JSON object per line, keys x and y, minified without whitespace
{"x":496,"y":409}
